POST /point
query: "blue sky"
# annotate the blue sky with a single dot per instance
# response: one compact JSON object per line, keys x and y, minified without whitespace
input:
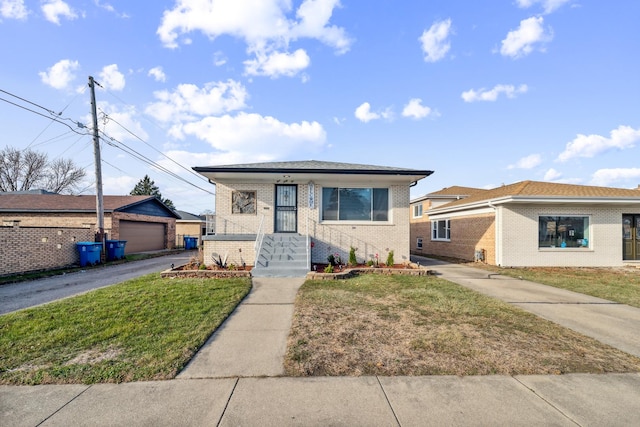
{"x":482,"y":93}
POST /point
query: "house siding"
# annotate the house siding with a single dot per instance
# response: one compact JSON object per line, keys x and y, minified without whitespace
{"x":328,"y":238}
{"x":519,"y":242}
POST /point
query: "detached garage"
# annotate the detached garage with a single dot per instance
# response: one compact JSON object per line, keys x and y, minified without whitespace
{"x":144,"y":222}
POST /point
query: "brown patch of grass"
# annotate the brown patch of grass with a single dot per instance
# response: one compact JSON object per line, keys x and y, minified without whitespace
{"x":400,"y":325}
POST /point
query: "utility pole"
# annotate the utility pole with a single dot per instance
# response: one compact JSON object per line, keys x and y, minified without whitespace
{"x":98,"y":162}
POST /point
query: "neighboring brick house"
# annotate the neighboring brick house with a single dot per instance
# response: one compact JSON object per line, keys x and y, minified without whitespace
{"x":143,"y":221}
{"x":532,"y":223}
{"x":190,"y":225}
{"x":335,"y":205}
{"x":424,"y":239}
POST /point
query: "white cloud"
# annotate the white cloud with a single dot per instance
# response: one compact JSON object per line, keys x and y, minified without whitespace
{"x":120,"y":184}
{"x":528,"y":162}
{"x":522,"y":41}
{"x":219,"y":59}
{"x":552,"y":175}
{"x":55,"y":9}
{"x":188,"y":101}
{"x":265,"y":25}
{"x":13,"y":9}
{"x":605,"y":177}
{"x":278,"y":64}
{"x":548,"y":5}
{"x":252,"y":133}
{"x":109,"y":8}
{"x":111,"y":78}
{"x":415,"y":109}
{"x":158,"y":74}
{"x":60,"y":74}
{"x":364,"y":113}
{"x":590,"y":145}
{"x":492,"y":95}
{"x":435,"y":43}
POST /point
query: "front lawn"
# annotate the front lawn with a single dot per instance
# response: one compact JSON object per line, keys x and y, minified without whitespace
{"x":143,"y":329}
{"x":405,"y":325}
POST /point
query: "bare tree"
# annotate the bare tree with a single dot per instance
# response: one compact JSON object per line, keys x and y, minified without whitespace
{"x":28,"y":170}
{"x":63,"y":176}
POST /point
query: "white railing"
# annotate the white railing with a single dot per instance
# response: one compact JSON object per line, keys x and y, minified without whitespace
{"x":259,"y":238}
{"x":331,"y":240}
{"x":308,"y":245}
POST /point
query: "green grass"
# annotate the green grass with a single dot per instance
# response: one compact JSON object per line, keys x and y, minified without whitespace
{"x":143,"y":329}
{"x":614,"y":284}
{"x":408,"y":325}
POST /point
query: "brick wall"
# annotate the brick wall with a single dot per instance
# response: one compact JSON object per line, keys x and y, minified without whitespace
{"x":188,"y":228}
{"x":468,"y":234}
{"x":520,"y":237}
{"x":237,"y":251}
{"x":368,"y":238}
{"x":24,"y":249}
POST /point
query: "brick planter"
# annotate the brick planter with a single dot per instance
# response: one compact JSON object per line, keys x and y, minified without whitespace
{"x":205,"y":274}
{"x":313,"y":275}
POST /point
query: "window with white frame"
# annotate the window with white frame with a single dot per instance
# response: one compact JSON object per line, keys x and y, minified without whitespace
{"x":440,"y":230}
{"x":563,"y":231}
{"x":417,"y":211}
{"x":419,"y":243}
{"x":355,"y":204}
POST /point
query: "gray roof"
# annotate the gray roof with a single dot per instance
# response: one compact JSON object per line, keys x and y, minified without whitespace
{"x":313,"y":166}
{"x":190,"y":217}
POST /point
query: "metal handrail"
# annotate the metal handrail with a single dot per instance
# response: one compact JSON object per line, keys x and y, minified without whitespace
{"x":308,"y":245}
{"x":335,"y":237}
{"x":259,"y":238}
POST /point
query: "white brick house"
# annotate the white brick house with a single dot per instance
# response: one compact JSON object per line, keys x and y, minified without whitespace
{"x":333,"y":206}
{"x":533,"y":223}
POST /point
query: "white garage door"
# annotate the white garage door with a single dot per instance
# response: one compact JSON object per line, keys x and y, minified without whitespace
{"x":142,"y":236}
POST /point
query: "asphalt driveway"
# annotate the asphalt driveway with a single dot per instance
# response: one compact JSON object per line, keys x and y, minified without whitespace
{"x":16,"y":296}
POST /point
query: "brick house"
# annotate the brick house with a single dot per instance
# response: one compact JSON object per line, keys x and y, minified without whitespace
{"x":143,"y":221}
{"x":190,"y":225}
{"x":307,"y":210}
{"x":530,"y":223}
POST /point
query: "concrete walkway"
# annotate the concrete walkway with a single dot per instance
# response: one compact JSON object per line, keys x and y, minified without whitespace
{"x":253,"y":340}
{"x":236,"y":378}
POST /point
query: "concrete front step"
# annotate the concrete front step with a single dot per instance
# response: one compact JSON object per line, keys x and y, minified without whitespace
{"x":279,"y":272}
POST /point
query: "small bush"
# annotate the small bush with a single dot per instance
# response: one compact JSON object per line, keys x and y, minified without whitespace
{"x":390,"y":261}
{"x":328,"y":269}
{"x":331,"y":259}
{"x":352,"y":256}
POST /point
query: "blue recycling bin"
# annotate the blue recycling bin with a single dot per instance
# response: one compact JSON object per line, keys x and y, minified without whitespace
{"x":115,"y":249}
{"x":190,"y":242}
{"x":89,"y":253}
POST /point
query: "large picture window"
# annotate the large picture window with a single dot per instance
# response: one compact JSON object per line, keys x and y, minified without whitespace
{"x":355,"y":204}
{"x":563,"y":232}
{"x":440,"y":230}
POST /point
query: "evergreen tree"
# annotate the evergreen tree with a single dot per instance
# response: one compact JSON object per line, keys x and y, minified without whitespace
{"x":147,"y":187}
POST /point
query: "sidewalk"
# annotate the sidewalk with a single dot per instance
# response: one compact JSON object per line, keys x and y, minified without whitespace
{"x":236,"y":378}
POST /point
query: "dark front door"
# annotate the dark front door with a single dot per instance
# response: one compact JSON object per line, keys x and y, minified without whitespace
{"x":631,"y":237}
{"x":286,"y":209}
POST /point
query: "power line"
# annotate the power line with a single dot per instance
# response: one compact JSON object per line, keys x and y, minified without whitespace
{"x":107,"y":117}
{"x":45,"y":116}
{"x":122,"y":146}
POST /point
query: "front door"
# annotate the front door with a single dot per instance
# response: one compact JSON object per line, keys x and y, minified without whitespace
{"x":286,"y":209}
{"x":630,"y":237}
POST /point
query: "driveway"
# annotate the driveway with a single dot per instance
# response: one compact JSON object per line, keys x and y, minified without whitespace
{"x":16,"y":296}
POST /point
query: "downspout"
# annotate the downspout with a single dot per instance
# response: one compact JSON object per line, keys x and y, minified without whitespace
{"x":496,"y":231}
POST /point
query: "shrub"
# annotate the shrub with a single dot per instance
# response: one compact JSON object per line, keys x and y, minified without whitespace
{"x":328,"y":269}
{"x":352,"y":256}
{"x":390,"y":261}
{"x":331,"y":259}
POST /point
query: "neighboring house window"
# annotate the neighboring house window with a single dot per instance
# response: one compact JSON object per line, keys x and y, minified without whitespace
{"x":355,"y":204}
{"x":440,"y":230}
{"x":563,"y":232}
{"x":419,"y":243}
{"x":417,"y":211}
{"x":243,"y":202}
